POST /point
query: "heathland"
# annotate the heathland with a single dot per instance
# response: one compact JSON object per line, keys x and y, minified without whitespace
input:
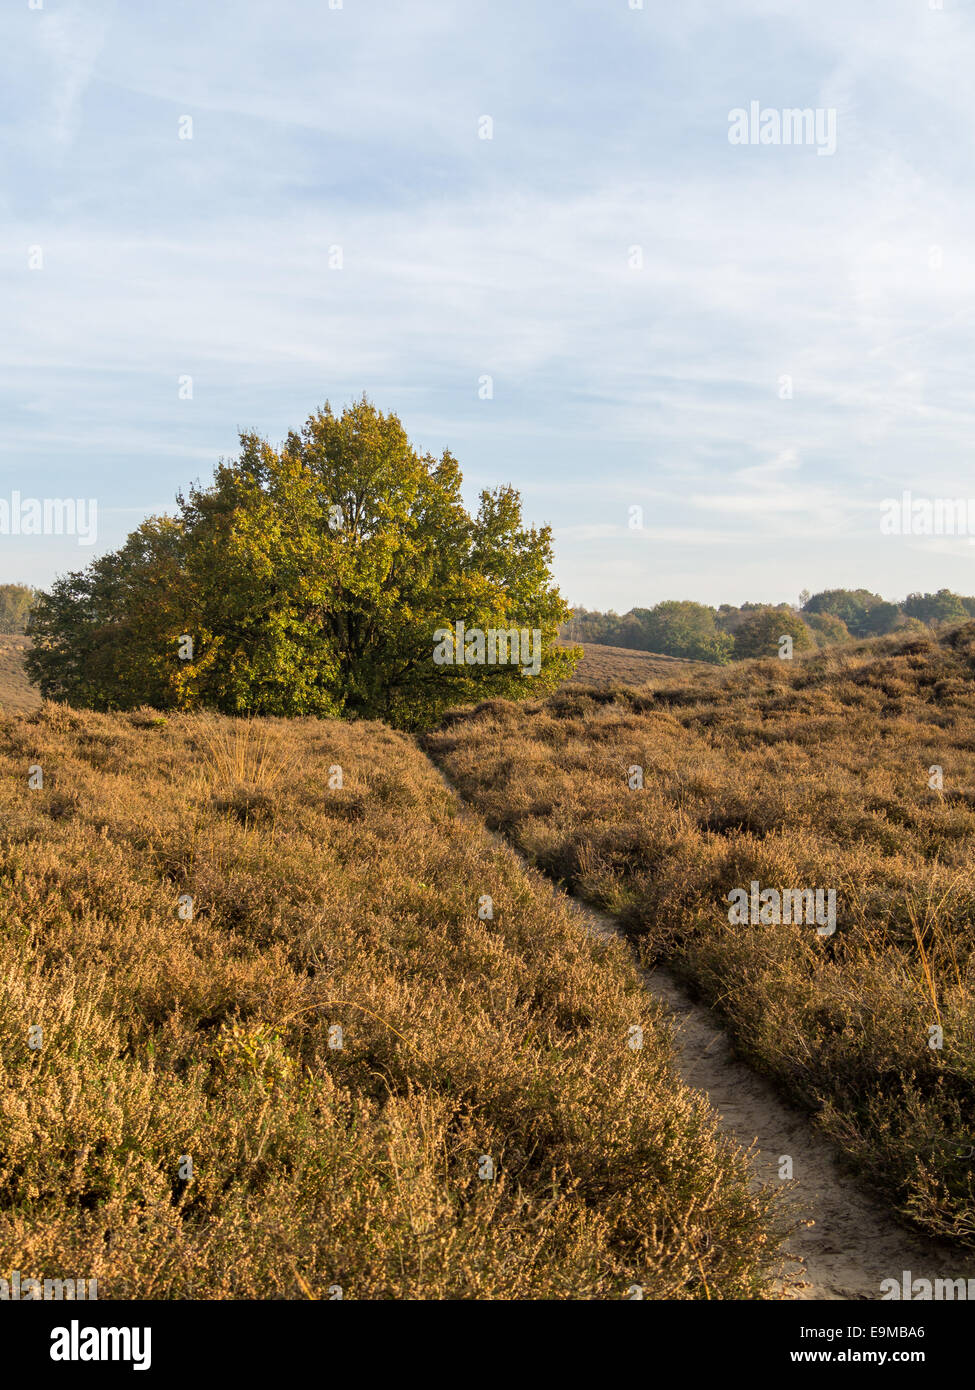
{"x":601,"y":665}
{"x":278,"y":1020}
{"x":851,"y":771}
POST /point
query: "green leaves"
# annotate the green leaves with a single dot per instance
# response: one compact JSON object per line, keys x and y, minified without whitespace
{"x":762,"y":631}
{"x":311,"y":579}
{"x":680,"y":627}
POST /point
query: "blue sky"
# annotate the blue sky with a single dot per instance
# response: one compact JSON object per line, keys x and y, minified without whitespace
{"x":613,"y":387}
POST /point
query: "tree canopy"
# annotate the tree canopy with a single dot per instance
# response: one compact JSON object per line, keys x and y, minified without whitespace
{"x":851,"y":605}
{"x":684,"y":628}
{"x":761,"y":631}
{"x":309,"y":579}
{"x":942,"y":607}
{"x":680,"y":627}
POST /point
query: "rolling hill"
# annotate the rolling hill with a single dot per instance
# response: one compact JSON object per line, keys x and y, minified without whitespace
{"x":606,"y":666}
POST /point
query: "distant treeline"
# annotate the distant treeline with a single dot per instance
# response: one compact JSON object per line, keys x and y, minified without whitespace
{"x":678,"y":627}
{"x":15,"y":602}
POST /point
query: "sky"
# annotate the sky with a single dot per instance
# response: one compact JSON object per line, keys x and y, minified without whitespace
{"x":526,"y":229}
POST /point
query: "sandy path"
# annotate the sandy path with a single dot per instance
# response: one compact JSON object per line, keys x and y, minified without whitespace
{"x":848,"y":1243}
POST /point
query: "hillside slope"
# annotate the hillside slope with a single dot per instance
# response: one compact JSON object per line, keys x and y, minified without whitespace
{"x":336,"y":1040}
{"x":819,"y":774}
{"x":602,"y":666}
{"x":16,"y":693}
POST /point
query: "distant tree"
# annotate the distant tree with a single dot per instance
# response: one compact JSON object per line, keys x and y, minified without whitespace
{"x":883,"y":617}
{"x":852,"y":605}
{"x":312,"y":580}
{"x":679,"y":627}
{"x":942,"y":607}
{"x":15,"y":602}
{"x":729,"y":618}
{"x":908,"y":624}
{"x":570,"y":630}
{"x":592,"y":626}
{"x":759,"y":634}
{"x":718,"y":649}
{"x":628,"y":632}
{"x":827,"y":630}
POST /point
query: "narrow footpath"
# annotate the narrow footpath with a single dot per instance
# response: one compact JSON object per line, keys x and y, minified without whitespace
{"x":847,"y":1243}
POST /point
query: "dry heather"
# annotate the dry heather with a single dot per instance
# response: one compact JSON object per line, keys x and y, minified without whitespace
{"x":16,"y":693}
{"x":616,"y":666}
{"x":314,"y":1166}
{"x":810,"y":774}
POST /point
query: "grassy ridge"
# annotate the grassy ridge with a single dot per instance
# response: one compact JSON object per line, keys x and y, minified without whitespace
{"x":805,"y":774}
{"x":601,"y":666}
{"x":314,"y":1166}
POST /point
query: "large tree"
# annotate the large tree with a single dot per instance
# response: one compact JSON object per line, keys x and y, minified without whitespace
{"x":310,"y":579}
